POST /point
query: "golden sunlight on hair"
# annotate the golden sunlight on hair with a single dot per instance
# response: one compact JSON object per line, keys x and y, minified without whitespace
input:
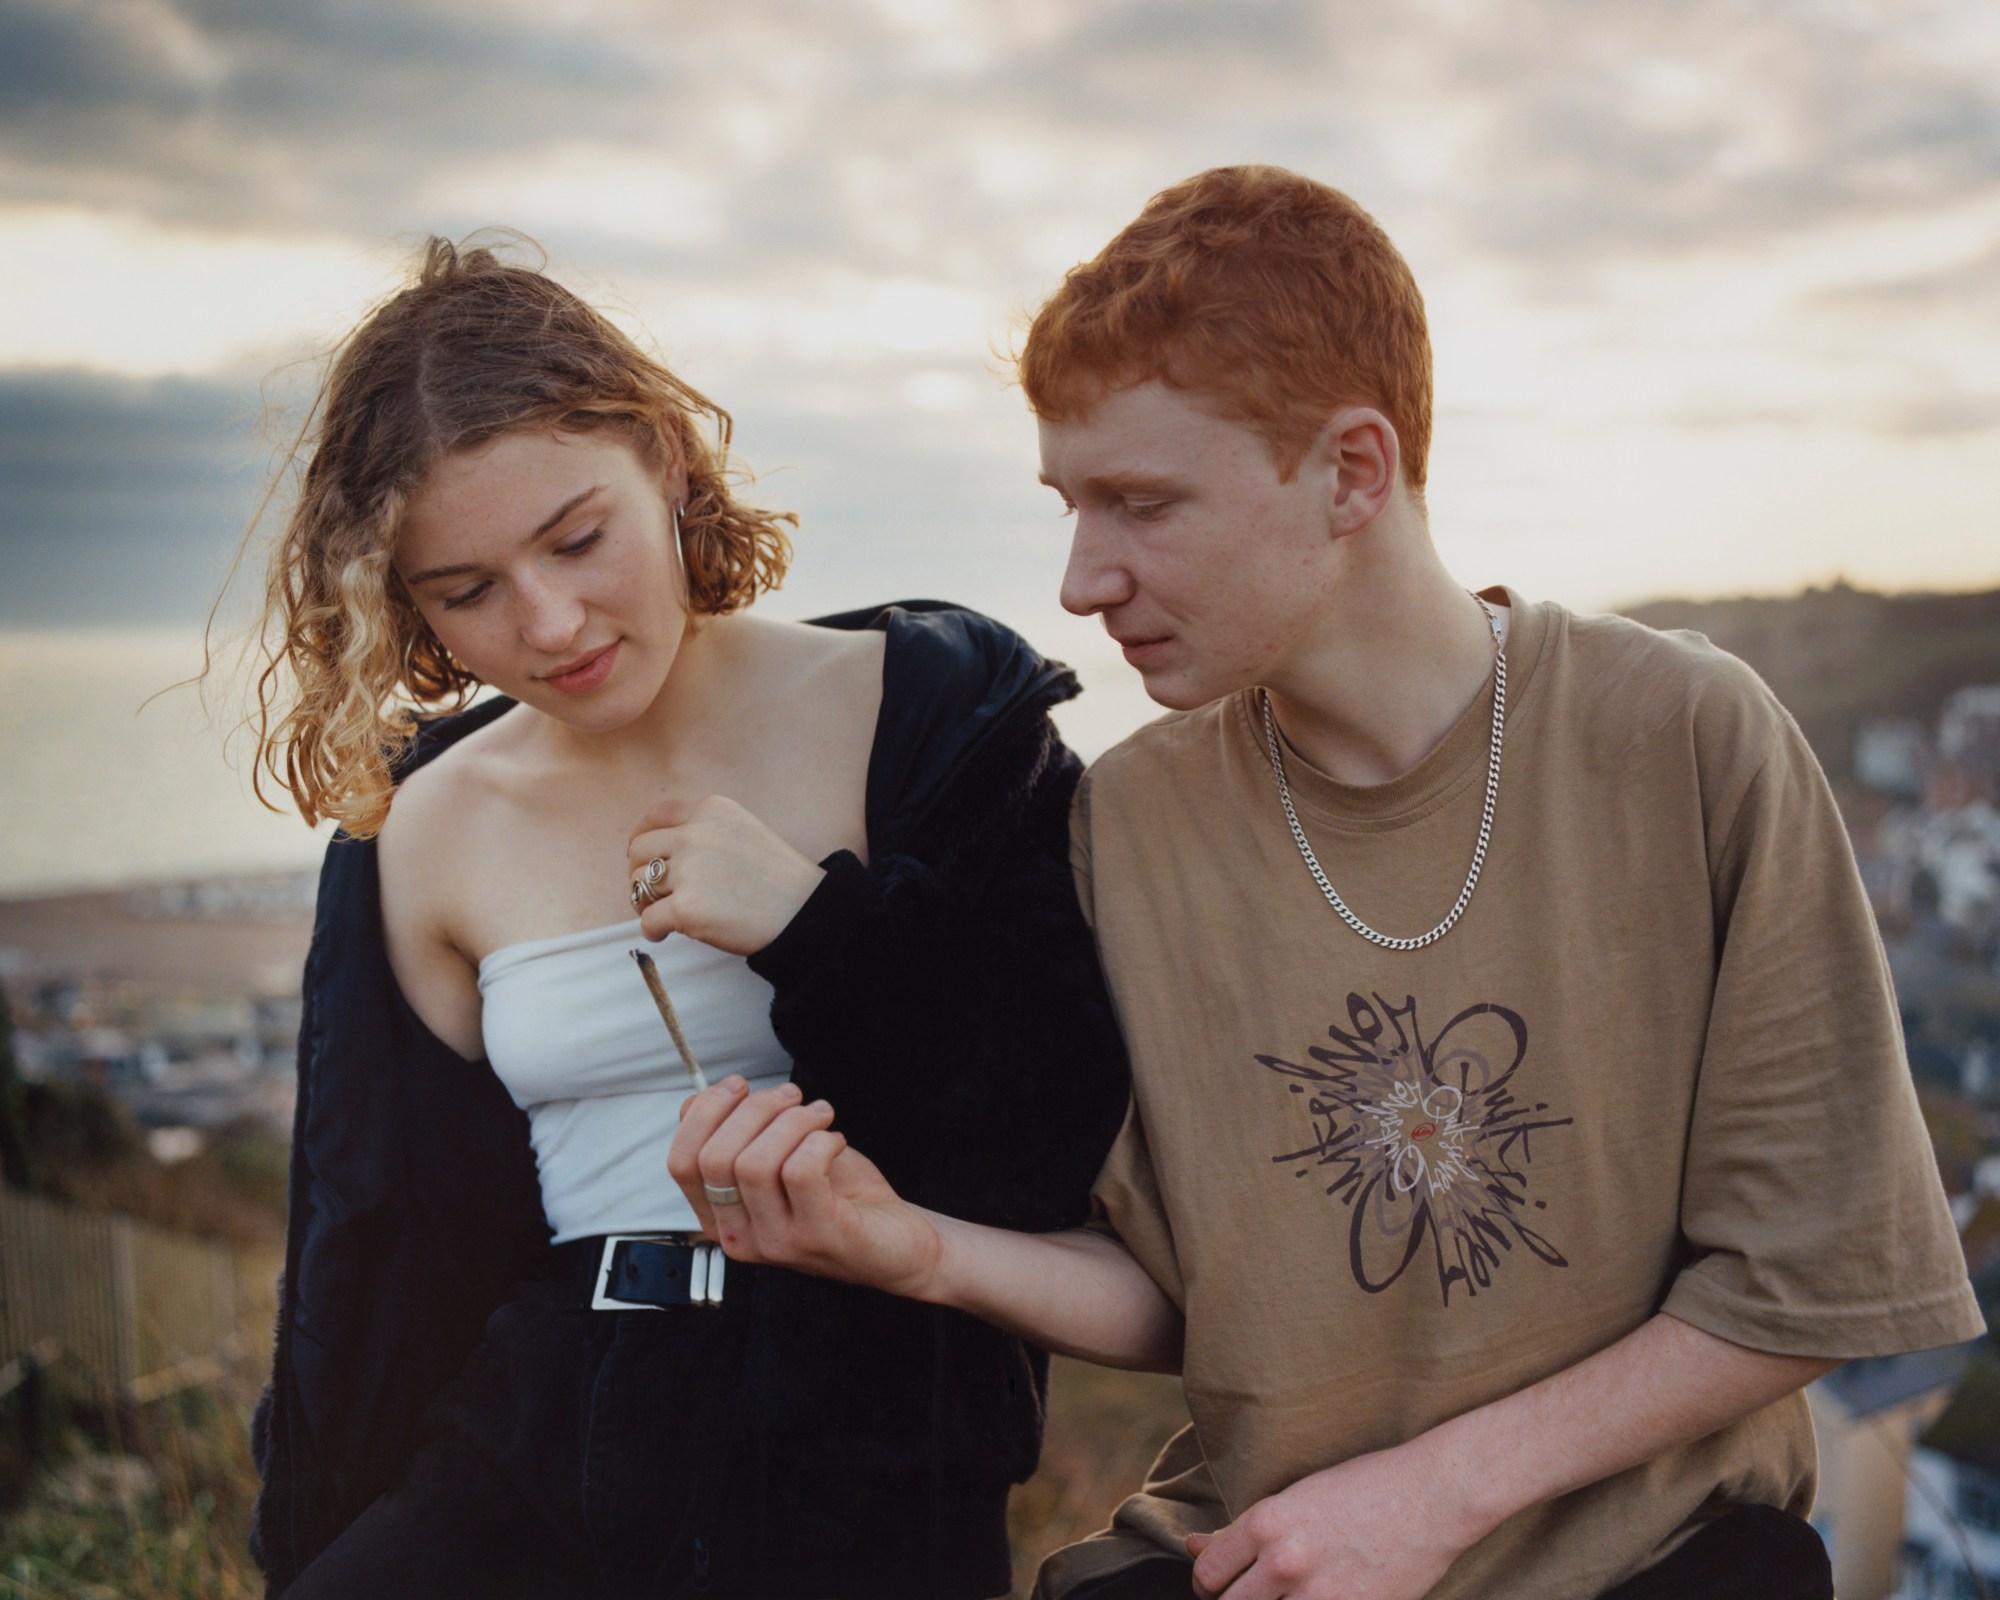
{"x":474,"y":349}
{"x":1275,"y":295}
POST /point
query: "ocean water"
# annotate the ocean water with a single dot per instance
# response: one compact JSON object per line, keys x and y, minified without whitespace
{"x":100,"y":787}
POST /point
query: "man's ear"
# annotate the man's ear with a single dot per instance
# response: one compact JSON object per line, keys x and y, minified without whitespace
{"x":1360,"y":460}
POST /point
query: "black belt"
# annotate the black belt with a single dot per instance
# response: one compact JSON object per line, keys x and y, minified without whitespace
{"x":646,"y":1271}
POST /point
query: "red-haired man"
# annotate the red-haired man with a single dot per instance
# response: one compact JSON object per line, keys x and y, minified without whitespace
{"x":1520,"y":1116}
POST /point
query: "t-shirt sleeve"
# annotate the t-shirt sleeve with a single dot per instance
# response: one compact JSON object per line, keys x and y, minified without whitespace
{"x":1811,"y":1205}
{"x":1125,"y":1201}
{"x":1079,"y":850}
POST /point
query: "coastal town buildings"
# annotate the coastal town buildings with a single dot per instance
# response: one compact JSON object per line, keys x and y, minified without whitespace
{"x":180,"y":1000}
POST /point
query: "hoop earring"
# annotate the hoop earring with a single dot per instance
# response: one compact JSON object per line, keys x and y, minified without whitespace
{"x":681,"y":559}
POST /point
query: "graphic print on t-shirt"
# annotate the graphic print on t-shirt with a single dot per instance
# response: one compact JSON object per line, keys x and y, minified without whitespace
{"x":1424,"y":1140}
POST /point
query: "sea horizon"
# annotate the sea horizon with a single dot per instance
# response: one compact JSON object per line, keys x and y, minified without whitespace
{"x":114,"y":775}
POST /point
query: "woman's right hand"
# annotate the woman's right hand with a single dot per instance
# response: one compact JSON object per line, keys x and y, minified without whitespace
{"x":810,"y":1201}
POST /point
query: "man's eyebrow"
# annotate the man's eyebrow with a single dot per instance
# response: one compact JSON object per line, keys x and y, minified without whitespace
{"x":547,"y":523}
{"x":1122,"y":483}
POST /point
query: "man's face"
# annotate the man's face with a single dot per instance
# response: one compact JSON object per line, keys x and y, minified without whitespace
{"x":1207,"y":569}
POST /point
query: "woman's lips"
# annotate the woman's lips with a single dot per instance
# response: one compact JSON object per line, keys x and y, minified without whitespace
{"x":587,"y":674}
{"x":1143,"y":652}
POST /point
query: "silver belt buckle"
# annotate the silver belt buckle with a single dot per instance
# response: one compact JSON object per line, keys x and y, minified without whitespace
{"x":706,"y":1268}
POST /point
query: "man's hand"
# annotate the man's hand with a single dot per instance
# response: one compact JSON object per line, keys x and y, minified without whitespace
{"x":1386,"y":1526}
{"x":730,"y":881}
{"x":810,"y":1200}
{"x":1378,"y":1527}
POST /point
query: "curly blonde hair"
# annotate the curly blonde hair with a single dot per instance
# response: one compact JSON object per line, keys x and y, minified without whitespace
{"x":473,"y":349}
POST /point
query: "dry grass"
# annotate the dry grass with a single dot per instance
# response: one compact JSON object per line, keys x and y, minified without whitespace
{"x":146,"y":1502}
{"x":120,"y":1501}
{"x":153,"y":1502}
{"x":87,"y":1152}
{"x":1104,"y":1430}
{"x":142,"y":1505}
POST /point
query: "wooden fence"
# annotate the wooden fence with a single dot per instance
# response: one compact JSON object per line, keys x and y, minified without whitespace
{"x":138,"y":1308}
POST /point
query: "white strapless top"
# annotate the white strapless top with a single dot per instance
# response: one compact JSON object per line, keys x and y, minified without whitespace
{"x":573,"y":1033}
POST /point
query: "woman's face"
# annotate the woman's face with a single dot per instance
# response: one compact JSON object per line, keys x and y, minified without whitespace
{"x":546,"y":563}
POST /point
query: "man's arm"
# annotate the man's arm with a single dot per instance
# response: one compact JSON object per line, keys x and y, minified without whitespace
{"x":1077,"y":1293}
{"x":812,"y":1202}
{"x":1347,"y":1532}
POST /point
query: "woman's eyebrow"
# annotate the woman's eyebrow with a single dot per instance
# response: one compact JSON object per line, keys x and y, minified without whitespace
{"x":547,"y":523}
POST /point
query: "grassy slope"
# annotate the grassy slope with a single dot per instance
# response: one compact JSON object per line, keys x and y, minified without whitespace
{"x":101,"y":1500}
{"x":141,"y":1502}
{"x":1838,"y":657}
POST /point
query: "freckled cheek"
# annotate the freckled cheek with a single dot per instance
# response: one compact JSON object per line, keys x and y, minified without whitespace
{"x":484,"y":643}
{"x":638,"y":587}
{"x":1212,"y":593}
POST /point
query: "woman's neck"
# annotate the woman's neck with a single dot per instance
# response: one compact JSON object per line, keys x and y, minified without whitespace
{"x":703,"y":696}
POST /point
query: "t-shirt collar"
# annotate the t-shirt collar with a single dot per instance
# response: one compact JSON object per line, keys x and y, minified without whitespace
{"x":1457,"y":760}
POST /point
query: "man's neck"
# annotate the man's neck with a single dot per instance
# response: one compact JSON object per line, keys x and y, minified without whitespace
{"x":1398,"y":657}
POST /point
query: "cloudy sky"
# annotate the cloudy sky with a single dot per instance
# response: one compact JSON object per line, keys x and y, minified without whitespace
{"x":1715,"y":284}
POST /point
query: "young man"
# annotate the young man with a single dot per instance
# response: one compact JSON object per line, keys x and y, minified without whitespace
{"x":1520,"y":1115}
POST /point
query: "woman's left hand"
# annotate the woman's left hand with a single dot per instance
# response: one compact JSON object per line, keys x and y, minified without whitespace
{"x":730,"y":881}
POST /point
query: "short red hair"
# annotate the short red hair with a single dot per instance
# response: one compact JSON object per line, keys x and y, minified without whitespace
{"x":1275,"y":295}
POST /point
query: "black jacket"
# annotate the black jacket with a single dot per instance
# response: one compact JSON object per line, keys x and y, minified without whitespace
{"x":946,"y":998}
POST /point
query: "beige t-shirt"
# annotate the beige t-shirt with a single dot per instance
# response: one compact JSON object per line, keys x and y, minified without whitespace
{"x":1656,"y":1066}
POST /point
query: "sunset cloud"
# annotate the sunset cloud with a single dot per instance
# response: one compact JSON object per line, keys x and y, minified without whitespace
{"x":1642,"y":229}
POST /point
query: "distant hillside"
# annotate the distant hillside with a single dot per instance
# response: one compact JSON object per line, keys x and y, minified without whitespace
{"x":1840,"y":656}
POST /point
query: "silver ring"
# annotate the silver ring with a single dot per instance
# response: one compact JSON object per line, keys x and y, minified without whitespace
{"x":646,"y":887}
{"x":722,"y":1194}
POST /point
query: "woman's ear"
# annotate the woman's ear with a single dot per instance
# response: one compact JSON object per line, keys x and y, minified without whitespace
{"x":671,"y":442}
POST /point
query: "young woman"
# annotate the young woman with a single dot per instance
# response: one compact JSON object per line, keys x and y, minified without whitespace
{"x":503,"y":1364}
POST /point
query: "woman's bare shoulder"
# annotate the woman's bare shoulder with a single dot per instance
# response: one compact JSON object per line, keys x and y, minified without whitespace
{"x":440,"y":807}
{"x":804,"y":668}
{"x":840,"y":663}
{"x":437,"y":831}
{"x":813,"y":644}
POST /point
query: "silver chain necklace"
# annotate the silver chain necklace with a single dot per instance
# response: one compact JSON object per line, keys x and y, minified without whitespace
{"x":1485,"y":815}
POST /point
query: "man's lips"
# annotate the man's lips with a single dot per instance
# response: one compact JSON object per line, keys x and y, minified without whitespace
{"x":586,"y":672}
{"x":1138,"y":650}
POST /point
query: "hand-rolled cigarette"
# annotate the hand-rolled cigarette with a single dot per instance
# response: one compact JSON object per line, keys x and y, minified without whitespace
{"x":652,"y":976}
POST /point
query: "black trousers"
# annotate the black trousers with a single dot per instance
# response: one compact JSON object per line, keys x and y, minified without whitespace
{"x":451,"y":1525}
{"x":587,"y":1455}
{"x":1754,"y":1553}
{"x":563,"y":1462}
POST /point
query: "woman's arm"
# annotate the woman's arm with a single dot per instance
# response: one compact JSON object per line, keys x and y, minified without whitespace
{"x":947,"y":997}
{"x":812,"y":1202}
{"x":419,"y":858}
